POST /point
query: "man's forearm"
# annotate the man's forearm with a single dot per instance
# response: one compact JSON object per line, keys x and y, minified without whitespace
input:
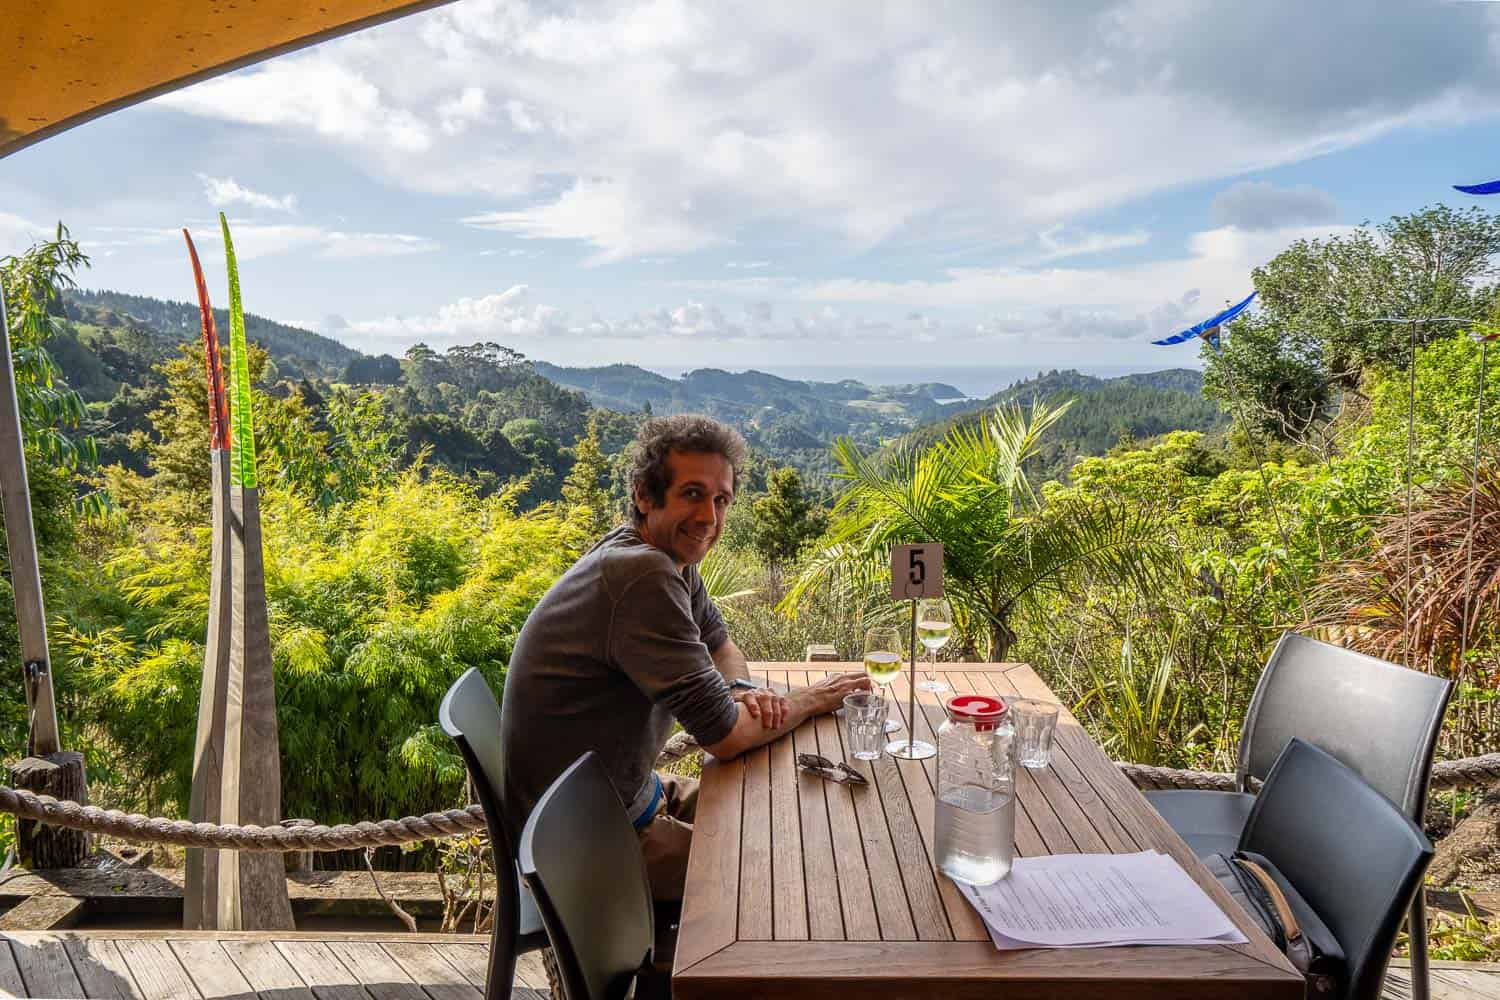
{"x":730,"y":661}
{"x":802,"y":704}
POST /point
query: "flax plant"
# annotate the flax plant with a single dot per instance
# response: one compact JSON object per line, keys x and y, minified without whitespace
{"x":1137,"y":706}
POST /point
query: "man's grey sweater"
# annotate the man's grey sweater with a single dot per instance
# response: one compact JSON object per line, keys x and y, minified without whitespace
{"x":613,"y":652}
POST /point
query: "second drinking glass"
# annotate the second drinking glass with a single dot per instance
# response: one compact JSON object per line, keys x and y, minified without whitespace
{"x":884,"y":652}
{"x":934,"y":626}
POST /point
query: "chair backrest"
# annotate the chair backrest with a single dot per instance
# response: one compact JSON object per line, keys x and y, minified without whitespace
{"x":582,"y":861}
{"x":1380,"y":719}
{"x":1355,"y":858}
{"x":470,"y":716}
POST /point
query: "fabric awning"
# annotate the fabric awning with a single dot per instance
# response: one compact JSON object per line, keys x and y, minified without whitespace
{"x":73,"y":60}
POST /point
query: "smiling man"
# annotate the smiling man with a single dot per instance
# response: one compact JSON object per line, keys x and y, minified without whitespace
{"x":627,"y":640}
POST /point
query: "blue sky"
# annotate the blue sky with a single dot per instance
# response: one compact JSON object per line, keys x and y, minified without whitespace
{"x":677,"y":184}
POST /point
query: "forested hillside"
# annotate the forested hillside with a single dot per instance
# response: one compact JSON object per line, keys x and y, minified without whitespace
{"x":293,"y":348}
{"x":490,"y":415}
{"x":1104,"y":412}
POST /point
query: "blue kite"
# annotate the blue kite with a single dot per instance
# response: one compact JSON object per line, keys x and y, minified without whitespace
{"x":1209,"y":328}
{"x":1489,"y":187}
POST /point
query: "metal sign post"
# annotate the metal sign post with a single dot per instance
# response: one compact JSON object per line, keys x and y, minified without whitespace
{"x":916,"y":572}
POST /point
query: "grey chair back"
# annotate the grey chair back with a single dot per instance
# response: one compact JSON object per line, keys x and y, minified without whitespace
{"x":1354,"y":856}
{"x":1380,"y":719}
{"x":470,"y":716}
{"x":582,"y":861}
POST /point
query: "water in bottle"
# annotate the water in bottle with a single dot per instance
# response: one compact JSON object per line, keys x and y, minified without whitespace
{"x":975,"y":812}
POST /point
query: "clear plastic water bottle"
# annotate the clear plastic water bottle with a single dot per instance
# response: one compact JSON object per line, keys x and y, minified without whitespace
{"x":976,"y":802}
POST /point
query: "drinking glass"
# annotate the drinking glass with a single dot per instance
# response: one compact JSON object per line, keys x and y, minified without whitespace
{"x":1034,"y":721}
{"x":864,"y":718}
{"x":883,"y":654}
{"x":934,"y":626}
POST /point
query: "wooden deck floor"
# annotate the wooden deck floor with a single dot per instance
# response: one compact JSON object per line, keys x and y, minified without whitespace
{"x":182,"y":965}
{"x":158,"y":965}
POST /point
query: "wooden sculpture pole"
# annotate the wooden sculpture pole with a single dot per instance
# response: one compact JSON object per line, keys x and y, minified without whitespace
{"x":200,"y":905}
{"x":252,"y":885}
{"x":47,"y":768}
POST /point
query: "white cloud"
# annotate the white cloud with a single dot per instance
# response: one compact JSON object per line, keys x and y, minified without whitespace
{"x":253,"y":240}
{"x":617,"y":220}
{"x":502,"y":316}
{"x":338,"y":244}
{"x":458,"y":113}
{"x":225,"y":191}
{"x":1262,"y":205}
{"x":1151,"y":295}
{"x":314,"y":92}
{"x":748,"y":265}
{"x":857,"y":128}
{"x":18,"y":234}
{"x":1056,"y":246}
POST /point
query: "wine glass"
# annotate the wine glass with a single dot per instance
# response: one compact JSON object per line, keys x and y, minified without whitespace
{"x":883,"y":654}
{"x":934,"y":627}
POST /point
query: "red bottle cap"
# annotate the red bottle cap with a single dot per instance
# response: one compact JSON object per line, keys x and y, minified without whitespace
{"x":981,"y":710}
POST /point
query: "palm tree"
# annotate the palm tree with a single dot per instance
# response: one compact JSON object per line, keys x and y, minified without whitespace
{"x":969,"y":491}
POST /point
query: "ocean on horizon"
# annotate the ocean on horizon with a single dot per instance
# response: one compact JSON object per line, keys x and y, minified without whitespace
{"x":975,"y":382}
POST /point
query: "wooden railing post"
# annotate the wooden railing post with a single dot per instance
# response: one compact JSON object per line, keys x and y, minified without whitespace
{"x":46,"y":769}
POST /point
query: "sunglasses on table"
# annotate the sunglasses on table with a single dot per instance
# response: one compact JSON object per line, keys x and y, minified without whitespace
{"x":828,"y":770}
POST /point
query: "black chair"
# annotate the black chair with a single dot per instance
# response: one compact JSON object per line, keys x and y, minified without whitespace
{"x":470,"y":715}
{"x":582,"y":861}
{"x":1354,"y":857}
{"x":1379,"y":719}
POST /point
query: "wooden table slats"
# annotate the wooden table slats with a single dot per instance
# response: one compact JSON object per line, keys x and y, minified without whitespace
{"x":798,"y":886}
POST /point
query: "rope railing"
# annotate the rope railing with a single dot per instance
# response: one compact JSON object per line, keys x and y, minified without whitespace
{"x":135,"y":827}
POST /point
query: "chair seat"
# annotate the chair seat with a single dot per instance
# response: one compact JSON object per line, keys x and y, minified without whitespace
{"x":1210,"y":822}
{"x":530,"y":934}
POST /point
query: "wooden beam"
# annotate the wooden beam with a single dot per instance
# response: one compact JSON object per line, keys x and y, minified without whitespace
{"x":25,"y":576}
{"x":43,"y":913}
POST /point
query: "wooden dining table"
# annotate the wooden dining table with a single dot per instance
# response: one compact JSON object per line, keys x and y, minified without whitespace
{"x":801,"y":887}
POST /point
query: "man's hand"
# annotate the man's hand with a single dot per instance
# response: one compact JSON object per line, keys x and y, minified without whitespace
{"x":828,"y":694}
{"x":766,"y":705}
{"x":754,"y":726}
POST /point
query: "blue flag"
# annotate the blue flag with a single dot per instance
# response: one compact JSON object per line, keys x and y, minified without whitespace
{"x":1209,"y":328}
{"x":1489,"y":187}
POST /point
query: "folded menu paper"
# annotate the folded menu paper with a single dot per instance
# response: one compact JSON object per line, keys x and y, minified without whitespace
{"x":1099,"y":901}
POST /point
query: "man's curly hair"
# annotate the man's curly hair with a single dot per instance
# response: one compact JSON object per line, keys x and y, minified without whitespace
{"x":660,"y":436}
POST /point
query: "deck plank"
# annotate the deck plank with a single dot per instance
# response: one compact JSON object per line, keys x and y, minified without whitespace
{"x":530,"y":971}
{"x":473,"y":961}
{"x":212,"y":971}
{"x":157,"y":971}
{"x":11,"y":983}
{"x":436,"y":974}
{"x":380,"y":974}
{"x":45,"y":967}
{"x":101,"y":968}
{"x":321,"y":969}
{"x":267,"y":969}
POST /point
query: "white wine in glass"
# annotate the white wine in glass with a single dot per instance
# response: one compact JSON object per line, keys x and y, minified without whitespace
{"x":934,"y":627}
{"x":883,"y":654}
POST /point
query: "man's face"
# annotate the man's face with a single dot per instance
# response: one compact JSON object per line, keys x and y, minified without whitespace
{"x":688,"y":522}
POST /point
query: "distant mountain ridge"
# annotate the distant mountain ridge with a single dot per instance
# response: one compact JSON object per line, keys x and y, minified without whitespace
{"x":311,"y":353}
{"x":628,"y":387}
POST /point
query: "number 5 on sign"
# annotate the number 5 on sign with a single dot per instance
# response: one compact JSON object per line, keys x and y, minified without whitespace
{"x":917,"y":571}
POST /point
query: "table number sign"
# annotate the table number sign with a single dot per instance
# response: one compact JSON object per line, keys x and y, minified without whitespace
{"x":917,"y":571}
